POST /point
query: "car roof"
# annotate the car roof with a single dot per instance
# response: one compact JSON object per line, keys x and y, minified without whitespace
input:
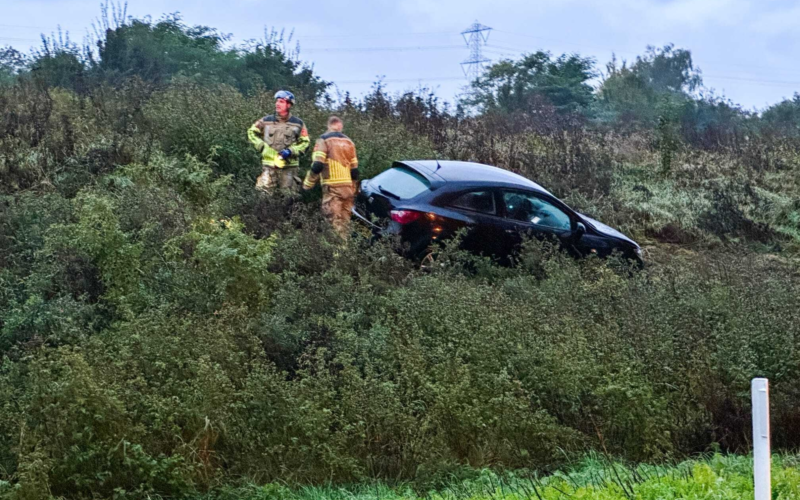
{"x":468,"y":173}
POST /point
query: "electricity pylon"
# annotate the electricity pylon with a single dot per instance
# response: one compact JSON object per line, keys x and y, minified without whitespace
{"x":476,"y":37}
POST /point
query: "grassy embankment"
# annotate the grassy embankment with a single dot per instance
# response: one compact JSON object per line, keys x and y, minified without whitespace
{"x":717,"y":477}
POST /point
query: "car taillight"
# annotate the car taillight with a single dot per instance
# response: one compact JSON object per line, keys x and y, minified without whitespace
{"x":405,"y":216}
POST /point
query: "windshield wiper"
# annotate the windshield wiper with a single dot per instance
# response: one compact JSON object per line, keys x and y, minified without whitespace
{"x":387,"y":192}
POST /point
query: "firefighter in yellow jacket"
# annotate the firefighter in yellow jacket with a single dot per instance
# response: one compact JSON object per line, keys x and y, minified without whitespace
{"x":335,"y":162}
{"x":281,"y":138}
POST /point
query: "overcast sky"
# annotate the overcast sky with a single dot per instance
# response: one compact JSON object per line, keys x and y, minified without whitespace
{"x":746,"y":49}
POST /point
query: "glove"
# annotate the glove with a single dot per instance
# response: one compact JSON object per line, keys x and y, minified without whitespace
{"x":285,"y":154}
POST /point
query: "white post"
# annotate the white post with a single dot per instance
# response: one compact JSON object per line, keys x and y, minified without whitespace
{"x":761,"y":451}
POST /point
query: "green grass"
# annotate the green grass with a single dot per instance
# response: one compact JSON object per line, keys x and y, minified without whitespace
{"x":719,"y":477}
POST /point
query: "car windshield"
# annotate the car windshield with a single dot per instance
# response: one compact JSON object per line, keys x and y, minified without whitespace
{"x":401,"y":182}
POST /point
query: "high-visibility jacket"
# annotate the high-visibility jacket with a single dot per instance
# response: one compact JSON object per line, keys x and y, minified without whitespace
{"x":334,"y":161}
{"x":271,"y":135}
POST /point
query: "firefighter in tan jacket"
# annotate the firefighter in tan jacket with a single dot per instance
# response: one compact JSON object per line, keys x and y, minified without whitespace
{"x":335,"y":162}
{"x":281,"y":139}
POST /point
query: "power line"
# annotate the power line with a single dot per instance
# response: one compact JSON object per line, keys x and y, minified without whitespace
{"x":372,"y":36}
{"x":20,"y":26}
{"x":12,"y":39}
{"x":588,"y":47}
{"x":504,"y":50}
{"x":477,"y":40}
{"x":748,"y":69}
{"x":566,"y":43}
{"x":401,"y":80}
{"x":501,"y":50}
{"x":754,"y":80}
{"x":757,"y":81}
{"x":382,"y":49}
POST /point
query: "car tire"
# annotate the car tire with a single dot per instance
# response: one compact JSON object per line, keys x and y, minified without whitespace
{"x":428,"y":261}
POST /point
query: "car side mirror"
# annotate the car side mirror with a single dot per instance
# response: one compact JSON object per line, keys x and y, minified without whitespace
{"x":580,"y":230}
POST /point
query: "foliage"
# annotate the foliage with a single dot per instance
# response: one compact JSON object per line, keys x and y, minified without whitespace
{"x":202,"y":121}
{"x":11,"y":62}
{"x":784,"y":116}
{"x":166,"y":331}
{"x":718,"y":476}
{"x":349,"y":366}
{"x":523,"y":85}
{"x":632,"y":93}
{"x":60,"y":63}
{"x":156,"y":52}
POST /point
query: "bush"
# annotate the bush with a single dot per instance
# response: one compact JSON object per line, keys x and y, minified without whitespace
{"x":200,"y":121}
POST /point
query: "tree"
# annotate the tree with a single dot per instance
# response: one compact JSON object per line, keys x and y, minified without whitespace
{"x":156,"y":52}
{"x":11,"y":63}
{"x":519,"y":85}
{"x":784,"y":116}
{"x":662,"y":78}
{"x":59,"y":62}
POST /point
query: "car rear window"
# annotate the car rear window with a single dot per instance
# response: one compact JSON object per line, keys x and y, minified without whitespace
{"x":402,"y":182}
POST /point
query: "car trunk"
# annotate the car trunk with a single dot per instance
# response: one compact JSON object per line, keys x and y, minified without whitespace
{"x":375,"y":200}
{"x":388,"y":191}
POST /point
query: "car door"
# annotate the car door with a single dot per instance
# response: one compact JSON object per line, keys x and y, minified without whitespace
{"x":525,"y":212}
{"x":593,"y":244}
{"x":479,"y":208}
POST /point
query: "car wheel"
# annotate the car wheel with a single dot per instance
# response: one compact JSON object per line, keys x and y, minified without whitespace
{"x":428,"y":261}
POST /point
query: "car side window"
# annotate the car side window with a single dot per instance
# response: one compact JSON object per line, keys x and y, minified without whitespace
{"x":536,"y":211}
{"x":477,"y":201}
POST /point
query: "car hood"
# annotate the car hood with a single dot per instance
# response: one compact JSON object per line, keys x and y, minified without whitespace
{"x":607,"y":230}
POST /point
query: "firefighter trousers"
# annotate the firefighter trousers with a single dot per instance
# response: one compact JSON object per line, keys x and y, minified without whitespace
{"x":337,"y":203}
{"x":283,"y":178}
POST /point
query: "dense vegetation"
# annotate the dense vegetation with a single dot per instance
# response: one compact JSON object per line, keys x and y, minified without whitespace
{"x":164,"y":330}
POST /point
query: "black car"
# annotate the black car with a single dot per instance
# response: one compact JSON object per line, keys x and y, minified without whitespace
{"x":428,"y":201}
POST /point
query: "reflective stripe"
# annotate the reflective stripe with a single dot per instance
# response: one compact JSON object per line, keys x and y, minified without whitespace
{"x":329,"y":182}
{"x":311,"y":180}
{"x":279,"y":163}
{"x":253,"y":135}
{"x":337,"y":174}
{"x":320,"y":156}
{"x":337,"y":170}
